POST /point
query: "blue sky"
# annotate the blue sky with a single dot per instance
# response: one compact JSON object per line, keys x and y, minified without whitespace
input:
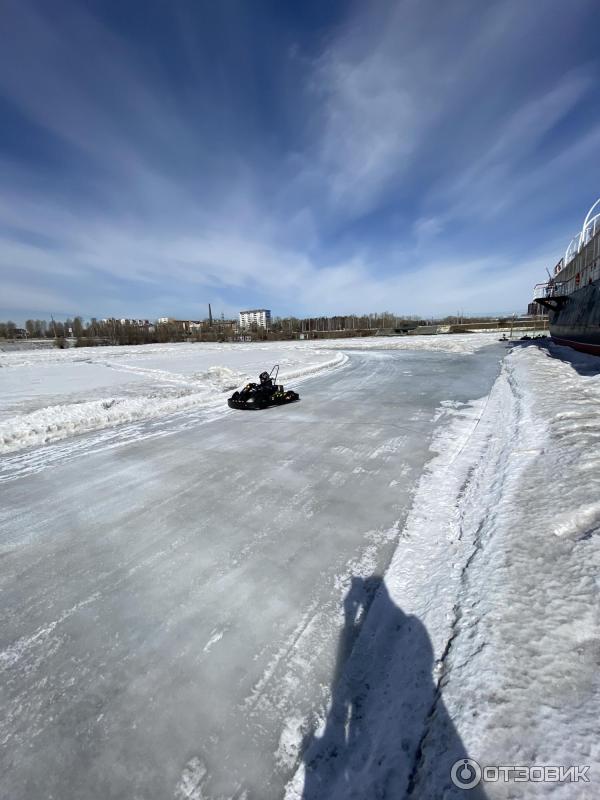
{"x":311,"y":157}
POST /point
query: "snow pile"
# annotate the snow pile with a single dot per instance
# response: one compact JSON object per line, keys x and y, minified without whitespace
{"x":190,"y":784}
{"x":523,"y":685}
{"x":57,"y":422}
{"x":484,"y":639}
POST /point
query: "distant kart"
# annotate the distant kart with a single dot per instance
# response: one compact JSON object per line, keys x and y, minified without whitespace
{"x":256,"y":396}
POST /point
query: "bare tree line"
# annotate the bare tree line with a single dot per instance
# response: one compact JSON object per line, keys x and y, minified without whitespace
{"x":122,"y":332}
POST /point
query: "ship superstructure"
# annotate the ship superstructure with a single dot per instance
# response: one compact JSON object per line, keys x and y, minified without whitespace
{"x":572,"y":294}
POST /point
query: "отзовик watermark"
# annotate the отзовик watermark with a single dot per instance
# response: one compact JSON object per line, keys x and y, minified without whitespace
{"x":466,"y":773}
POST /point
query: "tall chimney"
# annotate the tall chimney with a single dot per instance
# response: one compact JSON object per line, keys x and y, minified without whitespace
{"x":209,"y":316}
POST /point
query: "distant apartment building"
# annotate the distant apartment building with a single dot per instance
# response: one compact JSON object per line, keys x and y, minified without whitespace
{"x":259,"y":317}
{"x":536,"y":310}
{"x":134,"y":323}
{"x":185,"y":324}
{"x":189,"y":325}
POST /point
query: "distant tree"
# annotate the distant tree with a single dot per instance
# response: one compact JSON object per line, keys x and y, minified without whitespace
{"x":78,"y":327}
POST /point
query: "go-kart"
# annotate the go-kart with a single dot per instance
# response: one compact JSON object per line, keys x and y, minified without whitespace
{"x":255,"y":396}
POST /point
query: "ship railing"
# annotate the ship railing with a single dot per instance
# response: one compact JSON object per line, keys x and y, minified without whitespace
{"x":551,"y":288}
{"x":573,"y":248}
{"x":591,"y":226}
{"x":591,"y":229}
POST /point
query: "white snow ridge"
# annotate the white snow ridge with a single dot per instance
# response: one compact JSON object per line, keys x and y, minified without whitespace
{"x":189,"y":786}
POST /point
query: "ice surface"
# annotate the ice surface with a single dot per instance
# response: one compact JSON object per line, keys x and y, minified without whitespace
{"x":174,"y":603}
{"x":337,"y":599}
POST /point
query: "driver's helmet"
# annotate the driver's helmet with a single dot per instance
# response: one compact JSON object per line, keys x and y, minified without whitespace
{"x":264,"y":377}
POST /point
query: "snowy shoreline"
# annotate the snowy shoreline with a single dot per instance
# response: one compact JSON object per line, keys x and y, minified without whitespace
{"x":498,"y":563}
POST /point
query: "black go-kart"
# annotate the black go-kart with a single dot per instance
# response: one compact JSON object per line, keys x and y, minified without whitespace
{"x":266,"y":393}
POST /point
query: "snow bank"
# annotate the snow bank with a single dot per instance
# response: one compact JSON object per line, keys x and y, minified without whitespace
{"x":494,"y":582}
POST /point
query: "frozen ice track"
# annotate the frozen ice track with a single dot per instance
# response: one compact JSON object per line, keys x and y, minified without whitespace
{"x":175,"y":599}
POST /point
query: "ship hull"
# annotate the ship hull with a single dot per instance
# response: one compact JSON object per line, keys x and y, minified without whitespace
{"x":576,"y":323}
{"x":583,"y":347}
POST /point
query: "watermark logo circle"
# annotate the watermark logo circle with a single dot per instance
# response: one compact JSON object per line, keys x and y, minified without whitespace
{"x":465,"y":773}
